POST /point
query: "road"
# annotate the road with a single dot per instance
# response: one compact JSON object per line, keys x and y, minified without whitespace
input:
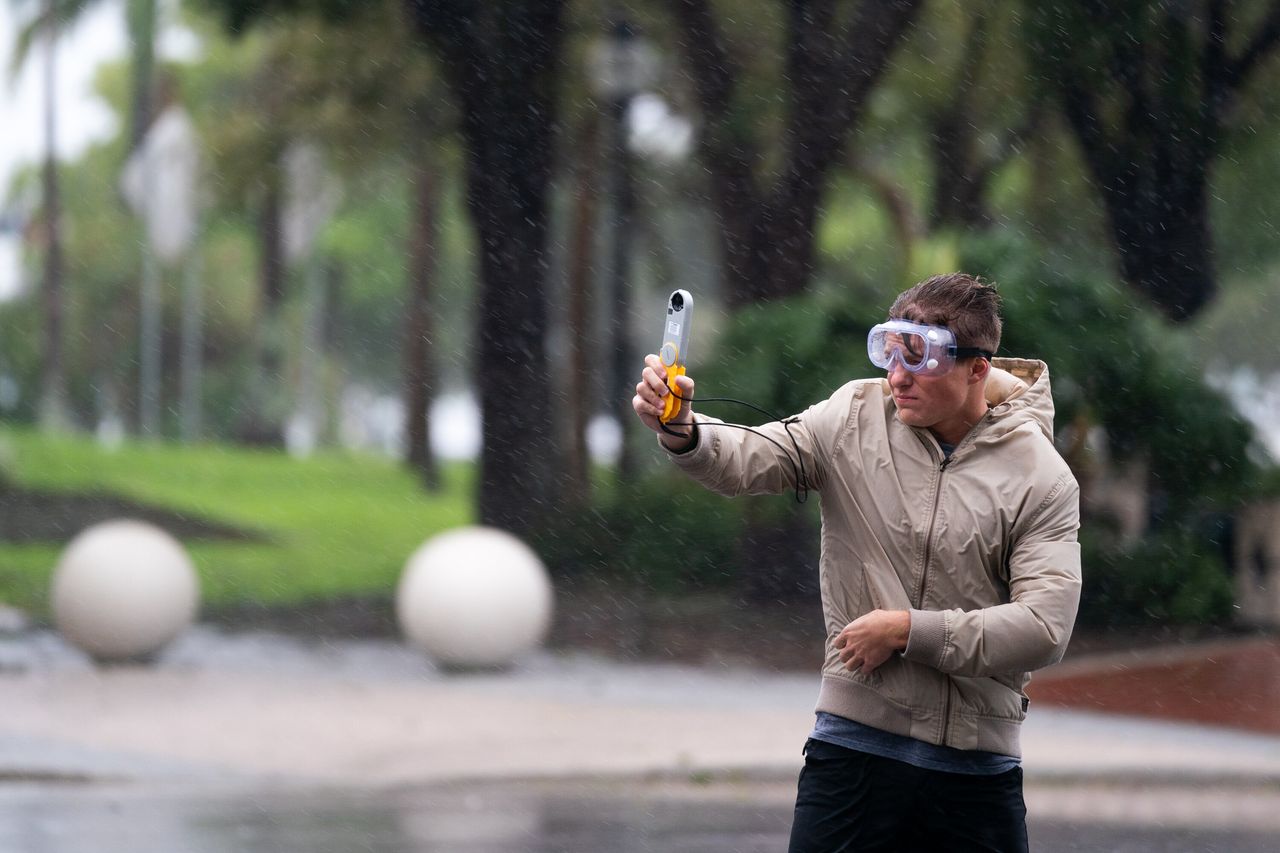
{"x":260,"y":742}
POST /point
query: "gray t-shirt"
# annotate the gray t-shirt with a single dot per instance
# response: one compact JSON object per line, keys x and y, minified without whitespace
{"x":851,"y":735}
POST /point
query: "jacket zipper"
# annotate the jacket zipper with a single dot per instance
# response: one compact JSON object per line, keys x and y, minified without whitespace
{"x":928,"y":555}
{"x":924,"y":581}
{"x":928,"y":539}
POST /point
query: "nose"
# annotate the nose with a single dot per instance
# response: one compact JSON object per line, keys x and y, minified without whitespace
{"x":899,"y":376}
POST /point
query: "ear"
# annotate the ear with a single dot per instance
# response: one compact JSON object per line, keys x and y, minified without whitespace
{"x":979,"y":370}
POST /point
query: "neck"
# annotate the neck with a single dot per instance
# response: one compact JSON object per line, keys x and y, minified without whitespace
{"x":953,"y":430}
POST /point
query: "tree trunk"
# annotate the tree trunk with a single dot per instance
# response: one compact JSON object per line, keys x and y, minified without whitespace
{"x":517,"y":488}
{"x":418,"y":373}
{"x":958,"y":186}
{"x":142,"y":27}
{"x":1155,"y":192}
{"x":262,"y":420}
{"x":1148,"y":98}
{"x":501,"y":67}
{"x":581,"y":246}
{"x":832,"y":67}
{"x":53,"y":381}
{"x":1164,"y":242}
{"x":622,"y":358}
{"x":271,"y":270}
{"x":958,"y":182}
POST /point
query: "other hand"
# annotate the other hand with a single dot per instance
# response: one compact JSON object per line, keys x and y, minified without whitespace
{"x":871,"y":639}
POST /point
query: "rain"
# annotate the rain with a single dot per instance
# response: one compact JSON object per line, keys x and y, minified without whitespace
{"x":336,"y":513}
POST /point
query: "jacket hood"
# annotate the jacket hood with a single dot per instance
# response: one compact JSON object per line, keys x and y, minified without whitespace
{"x":1018,"y":393}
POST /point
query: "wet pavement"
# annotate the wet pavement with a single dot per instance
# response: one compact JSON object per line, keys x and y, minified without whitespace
{"x":254,"y":741}
{"x":533,"y":817}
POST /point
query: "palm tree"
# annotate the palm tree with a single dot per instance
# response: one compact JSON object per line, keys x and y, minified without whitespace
{"x":140,"y":17}
{"x":53,"y":409}
{"x":55,"y":14}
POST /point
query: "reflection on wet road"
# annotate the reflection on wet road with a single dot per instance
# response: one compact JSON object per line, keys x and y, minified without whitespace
{"x":542,"y":817}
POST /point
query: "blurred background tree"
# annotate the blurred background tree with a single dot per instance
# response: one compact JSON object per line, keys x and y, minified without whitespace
{"x":496,"y":220}
{"x":1149,"y":91}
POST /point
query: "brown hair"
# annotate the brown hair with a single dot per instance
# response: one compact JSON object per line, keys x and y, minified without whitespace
{"x":965,"y":304}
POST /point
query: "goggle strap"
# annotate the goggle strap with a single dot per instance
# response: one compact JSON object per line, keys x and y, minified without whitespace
{"x":970,"y":352}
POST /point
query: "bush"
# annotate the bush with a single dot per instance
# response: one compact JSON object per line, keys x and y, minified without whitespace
{"x":1177,"y":578}
{"x":664,"y":532}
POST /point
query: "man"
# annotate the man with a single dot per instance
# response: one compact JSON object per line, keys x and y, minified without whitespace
{"x":949,"y":571}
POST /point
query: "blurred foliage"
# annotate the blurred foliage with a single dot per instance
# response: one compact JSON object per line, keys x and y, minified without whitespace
{"x":359,"y":92}
{"x":1177,"y":577}
{"x":663,"y":533}
{"x":1119,"y":365}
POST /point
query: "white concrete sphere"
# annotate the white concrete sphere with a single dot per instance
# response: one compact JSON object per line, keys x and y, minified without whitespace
{"x":474,"y":597}
{"x":123,"y":589}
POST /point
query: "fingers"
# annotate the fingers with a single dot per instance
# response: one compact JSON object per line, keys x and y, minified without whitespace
{"x":851,"y":653}
{"x":854,"y":660}
{"x":653,"y":380}
{"x":649,"y":401}
{"x":685,"y":384}
{"x":848,"y":655}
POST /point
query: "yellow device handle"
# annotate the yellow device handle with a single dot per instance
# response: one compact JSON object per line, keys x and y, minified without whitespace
{"x":672,"y":401}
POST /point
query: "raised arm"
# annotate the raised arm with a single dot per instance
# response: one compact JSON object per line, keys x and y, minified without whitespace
{"x":770,"y":459}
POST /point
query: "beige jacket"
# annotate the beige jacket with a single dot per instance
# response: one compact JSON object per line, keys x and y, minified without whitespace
{"x":980,"y":548}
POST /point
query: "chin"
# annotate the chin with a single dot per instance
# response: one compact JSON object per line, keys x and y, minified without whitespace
{"x":914,"y":419}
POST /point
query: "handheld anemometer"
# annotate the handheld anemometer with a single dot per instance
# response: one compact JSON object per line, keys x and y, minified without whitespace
{"x":675,"y":347}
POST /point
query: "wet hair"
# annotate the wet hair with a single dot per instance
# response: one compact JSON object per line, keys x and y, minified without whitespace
{"x":965,"y":304}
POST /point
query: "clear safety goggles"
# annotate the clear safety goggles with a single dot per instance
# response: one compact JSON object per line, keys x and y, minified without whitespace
{"x":923,"y":350}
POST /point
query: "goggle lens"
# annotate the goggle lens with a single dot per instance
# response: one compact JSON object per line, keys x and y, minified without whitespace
{"x":910,"y":348}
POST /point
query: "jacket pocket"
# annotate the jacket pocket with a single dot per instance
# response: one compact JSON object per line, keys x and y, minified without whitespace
{"x":846,"y":597}
{"x":986,"y":697}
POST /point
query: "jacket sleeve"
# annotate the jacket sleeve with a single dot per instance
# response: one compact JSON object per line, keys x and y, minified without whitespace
{"x":1030,"y":631}
{"x":732,"y":461}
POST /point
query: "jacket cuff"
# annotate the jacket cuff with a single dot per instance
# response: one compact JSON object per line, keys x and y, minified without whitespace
{"x":927,"y":641}
{"x":696,"y":455}
{"x":689,"y":448}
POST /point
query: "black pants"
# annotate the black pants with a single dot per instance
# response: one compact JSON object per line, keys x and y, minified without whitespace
{"x":851,"y":801}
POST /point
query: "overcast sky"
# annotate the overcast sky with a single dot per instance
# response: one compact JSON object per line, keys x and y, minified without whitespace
{"x":81,"y":117}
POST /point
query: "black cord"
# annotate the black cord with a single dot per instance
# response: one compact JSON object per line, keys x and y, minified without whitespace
{"x":797,"y":464}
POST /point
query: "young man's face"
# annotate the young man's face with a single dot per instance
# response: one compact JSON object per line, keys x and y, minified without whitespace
{"x":939,"y":403}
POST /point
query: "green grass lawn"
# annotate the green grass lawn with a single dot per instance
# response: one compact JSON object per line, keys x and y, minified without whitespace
{"x":336,"y":525}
